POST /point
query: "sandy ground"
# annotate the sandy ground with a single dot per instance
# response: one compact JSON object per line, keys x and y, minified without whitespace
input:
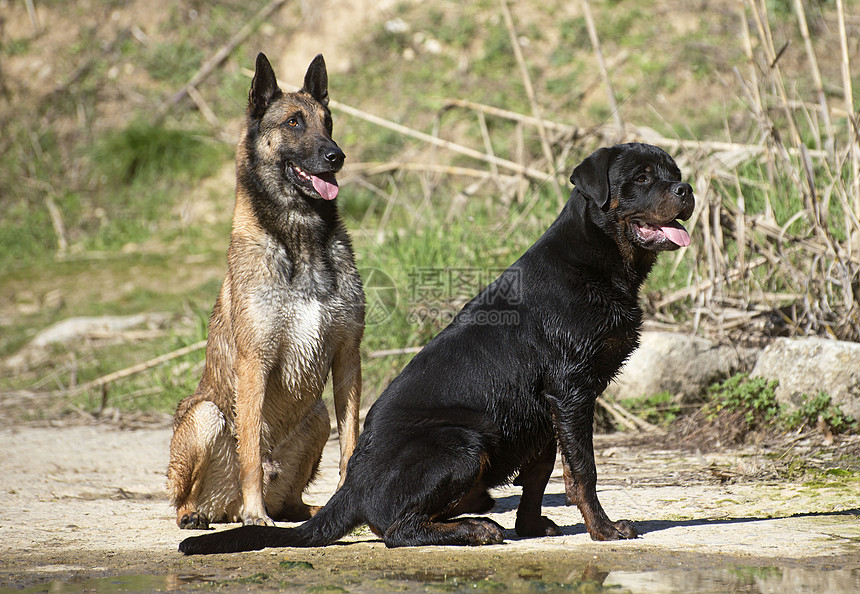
{"x":87,"y":502}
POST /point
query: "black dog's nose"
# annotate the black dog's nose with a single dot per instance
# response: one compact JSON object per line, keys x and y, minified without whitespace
{"x":334,"y":156}
{"x":682,"y":190}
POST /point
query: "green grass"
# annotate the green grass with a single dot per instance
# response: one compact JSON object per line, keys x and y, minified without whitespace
{"x":118,"y":188}
{"x":756,"y":399}
{"x":173,"y":63}
{"x":145,"y":153}
{"x":658,"y":409}
{"x":819,"y":407}
{"x":435,"y":266}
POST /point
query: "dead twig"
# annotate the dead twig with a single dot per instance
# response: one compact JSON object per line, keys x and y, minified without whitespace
{"x":203,"y":107}
{"x":513,"y":116}
{"x":429,"y":138}
{"x":223,"y":52}
{"x":34,"y":18}
{"x":393,"y":352}
{"x":105,"y":380}
{"x":625,"y":417}
{"x":601,"y":64}
{"x":702,"y":286}
{"x":58,"y":224}
{"x":853,"y":132}
{"x":379,"y":168}
{"x":816,"y":72}
{"x":530,"y":93}
{"x":721,"y":149}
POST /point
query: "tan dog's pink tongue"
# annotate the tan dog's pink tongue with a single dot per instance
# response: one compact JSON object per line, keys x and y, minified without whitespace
{"x":676,"y":233}
{"x":326,"y":185}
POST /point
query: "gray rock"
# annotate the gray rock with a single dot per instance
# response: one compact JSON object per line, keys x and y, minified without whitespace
{"x":810,"y":365}
{"x":680,"y":364}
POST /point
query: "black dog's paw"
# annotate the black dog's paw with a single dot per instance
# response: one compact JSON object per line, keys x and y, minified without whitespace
{"x":626,"y":529}
{"x":621,"y":529}
{"x":541,"y":526}
{"x":482,"y":531}
{"x":194,"y":521}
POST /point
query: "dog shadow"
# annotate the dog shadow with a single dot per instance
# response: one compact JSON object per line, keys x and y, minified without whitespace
{"x":648,"y":526}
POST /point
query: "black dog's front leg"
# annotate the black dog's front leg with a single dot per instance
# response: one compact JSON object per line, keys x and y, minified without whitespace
{"x":573,"y":417}
{"x":533,"y":478}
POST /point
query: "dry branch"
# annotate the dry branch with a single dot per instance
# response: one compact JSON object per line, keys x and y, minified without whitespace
{"x":58,"y":224}
{"x":202,"y":106}
{"x":392,"y":352}
{"x":34,"y":17}
{"x":625,"y":417}
{"x":223,"y":52}
{"x":514,"y":116}
{"x":601,"y":63}
{"x":452,"y":146}
{"x":430,"y":139}
{"x":853,"y":131}
{"x":800,"y":11}
{"x":108,"y":379}
{"x":371,"y":168}
{"x":701,"y":286}
{"x":530,"y":93}
{"x":721,"y":149}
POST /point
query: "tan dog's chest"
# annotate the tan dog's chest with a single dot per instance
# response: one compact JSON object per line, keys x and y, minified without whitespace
{"x":295,"y":315}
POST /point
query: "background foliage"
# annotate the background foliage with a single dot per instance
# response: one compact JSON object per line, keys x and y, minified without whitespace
{"x":116,"y":200}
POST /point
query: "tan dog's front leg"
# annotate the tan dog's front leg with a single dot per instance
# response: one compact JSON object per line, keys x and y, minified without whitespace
{"x":346,"y":379}
{"x":250,"y":391}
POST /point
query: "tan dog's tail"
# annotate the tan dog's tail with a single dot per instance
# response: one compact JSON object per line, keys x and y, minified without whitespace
{"x":331,"y":523}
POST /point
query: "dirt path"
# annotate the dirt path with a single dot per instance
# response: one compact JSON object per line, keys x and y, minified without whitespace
{"x":82,"y":502}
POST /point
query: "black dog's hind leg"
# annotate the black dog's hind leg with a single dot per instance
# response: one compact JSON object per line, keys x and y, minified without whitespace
{"x":433,"y":493}
{"x":573,"y":419}
{"x":412,"y":531}
{"x":476,"y":501}
{"x":533,"y":479}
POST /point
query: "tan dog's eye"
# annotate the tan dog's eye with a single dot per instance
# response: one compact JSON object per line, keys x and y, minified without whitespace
{"x":292,"y":122}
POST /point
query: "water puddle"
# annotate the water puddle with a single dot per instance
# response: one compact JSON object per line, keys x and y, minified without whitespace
{"x":303,"y":577}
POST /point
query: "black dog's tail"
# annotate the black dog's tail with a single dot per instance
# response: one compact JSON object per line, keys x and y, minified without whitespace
{"x":331,"y":523}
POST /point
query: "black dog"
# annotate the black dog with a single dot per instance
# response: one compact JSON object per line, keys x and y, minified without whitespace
{"x":516,"y":373}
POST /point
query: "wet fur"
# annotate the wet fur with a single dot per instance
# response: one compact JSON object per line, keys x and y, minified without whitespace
{"x":482,"y":405}
{"x":290,"y":311}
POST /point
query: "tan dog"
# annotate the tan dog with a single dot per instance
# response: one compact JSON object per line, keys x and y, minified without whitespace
{"x":248,"y":441}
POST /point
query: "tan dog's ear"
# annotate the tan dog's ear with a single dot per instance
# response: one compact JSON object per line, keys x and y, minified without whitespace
{"x":264,"y":88}
{"x":316,"y":80}
{"x":591,"y":177}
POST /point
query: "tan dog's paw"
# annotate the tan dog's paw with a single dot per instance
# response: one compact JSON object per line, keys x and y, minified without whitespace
{"x":257,"y":520}
{"x":194,"y":521}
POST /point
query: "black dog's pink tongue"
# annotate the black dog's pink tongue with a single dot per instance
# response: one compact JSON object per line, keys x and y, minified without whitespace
{"x":676,"y":233}
{"x":326,"y":185}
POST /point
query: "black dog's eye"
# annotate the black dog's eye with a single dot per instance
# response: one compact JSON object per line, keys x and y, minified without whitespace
{"x":641,"y":178}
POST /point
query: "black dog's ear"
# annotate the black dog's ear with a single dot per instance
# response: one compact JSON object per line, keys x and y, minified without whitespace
{"x":264,"y":88}
{"x":591,"y":176}
{"x":316,"y":80}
